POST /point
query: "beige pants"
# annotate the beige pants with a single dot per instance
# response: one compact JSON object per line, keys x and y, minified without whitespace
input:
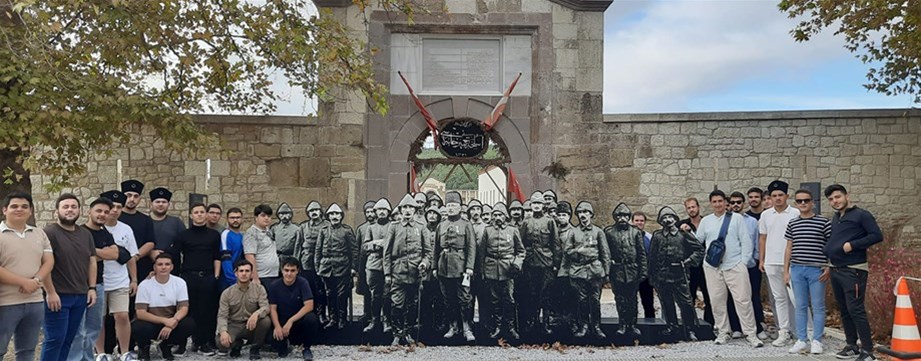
{"x":735,"y":281}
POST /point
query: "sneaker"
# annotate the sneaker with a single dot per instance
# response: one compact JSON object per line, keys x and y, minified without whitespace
{"x":235,"y":352}
{"x":308,"y":355}
{"x":222,"y":352}
{"x":798,"y":347}
{"x":849,"y":351}
{"x":763,"y":335}
{"x":206,"y":350}
{"x":722,"y":339}
{"x":865,"y":356}
{"x":737,"y":334}
{"x":166,"y":351}
{"x":754,"y":341}
{"x":180,"y":350}
{"x":783,"y":336}
{"x":816,"y":347}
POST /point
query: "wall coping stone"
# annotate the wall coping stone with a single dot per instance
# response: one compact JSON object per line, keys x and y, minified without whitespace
{"x":760,"y":115}
{"x":228,"y":119}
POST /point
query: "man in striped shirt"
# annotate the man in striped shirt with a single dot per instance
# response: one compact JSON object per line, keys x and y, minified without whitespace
{"x":806,"y":269}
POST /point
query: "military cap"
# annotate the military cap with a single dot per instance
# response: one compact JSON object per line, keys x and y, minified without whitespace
{"x":666,"y":211}
{"x":432,"y":209}
{"x":621,"y":209}
{"x":284,"y":208}
{"x":564,"y":207}
{"x":453,"y":197}
{"x":407,"y":201}
{"x":333,"y":208}
{"x":550,"y":193}
{"x":382,"y":203}
{"x":500,"y":208}
{"x":515,"y":204}
{"x":585,"y":206}
{"x":161,"y":192}
{"x":474,"y":203}
{"x":114,"y":196}
{"x":527,"y":204}
{"x":537,"y":197}
{"x":369,"y":205}
{"x":132,"y":185}
{"x":314,"y":205}
{"x":420,"y":197}
{"x":487,"y":209}
{"x":778,"y":185}
{"x":433,"y":196}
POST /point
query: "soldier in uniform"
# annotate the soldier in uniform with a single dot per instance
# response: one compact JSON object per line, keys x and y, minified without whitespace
{"x":515,"y":213}
{"x":550,"y":203}
{"x":287,"y":235}
{"x":501,"y":256}
{"x":373,"y":247}
{"x":671,"y":254}
{"x":362,"y":286}
{"x":542,"y":246}
{"x":527,"y":210}
{"x":406,"y":258}
{"x":311,"y":230}
{"x":455,"y":252}
{"x":627,"y":268}
{"x":337,"y":259}
{"x":475,"y":215}
{"x":561,"y":312}
{"x":432,"y":301}
{"x":486,"y":215}
{"x":420,"y":200}
{"x":434,"y":201}
{"x":585,"y":260}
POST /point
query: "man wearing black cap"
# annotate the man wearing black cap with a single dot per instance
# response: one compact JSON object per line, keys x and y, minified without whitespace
{"x":500,"y":256}
{"x":362,"y":286}
{"x":455,"y":252}
{"x":772,"y":248}
{"x":542,"y":260}
{"x":120,"y":276}
{"x":166,"y":227}
{"x":144,"y":234}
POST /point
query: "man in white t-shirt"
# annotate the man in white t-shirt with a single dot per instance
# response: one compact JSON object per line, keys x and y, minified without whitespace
{"x":162,"y":306}
{"x":119,"y":276}
{"x":773,"y":226}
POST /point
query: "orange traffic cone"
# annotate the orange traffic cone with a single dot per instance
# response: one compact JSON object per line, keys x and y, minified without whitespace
{"x":905,"y":337}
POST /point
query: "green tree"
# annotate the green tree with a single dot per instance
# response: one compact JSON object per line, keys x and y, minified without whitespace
{"x":885,"y":34}
{"x":80,"y":76}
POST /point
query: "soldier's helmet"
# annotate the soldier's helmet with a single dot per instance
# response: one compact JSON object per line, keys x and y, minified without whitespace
{"x":382,"y":203}
{"x":537,"y":197}
{"x":369,"y":205}
{"x":314,"y":205}
{"x":420,"y":197}
{"x":526,"y":205}
{"x":564,"y":207}
{"x":585,"y":206}
{"x":435,"y":210}
{"x":407,"y":201}
{"x":434,"y":196}
{"x":453,"y":197}
{"x":284,"y":208}
{"x":500,"y":208}
{"x":474,"y":203}
{"x":487,"y":209}
{"x":333,"y":208}
{"x":515,"y":204}
{"x":621,"y":209}
{"x":666,"y":211}
{"x":550,"y":196}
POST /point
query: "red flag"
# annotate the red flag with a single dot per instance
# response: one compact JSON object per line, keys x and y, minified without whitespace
{"x":429,"y":120}
{"x":413,"y":187}
{"x":500,"y":106}
{"x":513,"y":186}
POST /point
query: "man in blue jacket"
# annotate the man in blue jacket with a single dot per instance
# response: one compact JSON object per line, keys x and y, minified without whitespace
{"x":853,"y":232}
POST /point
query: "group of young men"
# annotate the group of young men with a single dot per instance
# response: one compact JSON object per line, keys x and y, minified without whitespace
{"x":529,"y":267}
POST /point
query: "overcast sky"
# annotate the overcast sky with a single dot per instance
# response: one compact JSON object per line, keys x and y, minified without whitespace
{"x":714,"y":55}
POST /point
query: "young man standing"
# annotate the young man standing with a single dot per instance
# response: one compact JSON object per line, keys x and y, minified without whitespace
{"x":143,"y":228}
{"x":806,"y":269}
{"x":647,"y":294}
{"x":243,"y":314}
{"x":291,"y":310}
{"x":736,"y":204}
{"x":162,"y":309}
{"x":25,"y":259}
{"x":166,"y":227}
{"x":259,"y":249}
{"x":231,"y":247}
{"x":853,"y":232}
{"x":696,"y":279}
{"x":214,"y":217}
{"x":755,"y":202}
{"x":73,"y":279}
{"x":120,"y":276}
{"x":773,"y":227}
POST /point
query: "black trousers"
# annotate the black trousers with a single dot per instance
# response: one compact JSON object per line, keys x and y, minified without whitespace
{"x":696,"y":280}
{"x":625,"y":300}
{"x":144,"y":332}
{"x":433,"y":305}
{"x":457,"y":300}
{"x":502,"y":303}
{"x":339,"y":288}
{"x":588,"y":311}
{"x":304,"y":332}
{"x":850,"y":288}
{"x":754,"y":278}
{"x":647,"y":295}
{"x":376,"y":287}
{"x":671,"y":294}
{"x":203,"y":305}
{"x":405,"y":298}
{"x":318,"y":288}
{"x":534,"y":296}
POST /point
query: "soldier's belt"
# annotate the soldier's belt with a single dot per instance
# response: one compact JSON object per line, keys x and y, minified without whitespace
{"x":453,"y":250}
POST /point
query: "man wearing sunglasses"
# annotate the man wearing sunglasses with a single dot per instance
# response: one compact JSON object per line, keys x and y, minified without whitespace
{"x":736,"y":204}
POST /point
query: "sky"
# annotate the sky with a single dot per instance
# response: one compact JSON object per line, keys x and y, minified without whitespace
{"x":713,"y":55}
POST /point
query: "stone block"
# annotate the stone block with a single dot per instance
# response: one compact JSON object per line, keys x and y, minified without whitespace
{"x":314,"y":172}
{"x":195,"y":167}
{"x":620,"y":158}
{"x":591,"y":25}
{"x":461,"y":6}
{"x":296,"y":150}
{"x":283,"y":172}
{"x":220,"y":168}
{"x":347,"y":164}
{"x":266,"y":150}
{"x":536,"y":6}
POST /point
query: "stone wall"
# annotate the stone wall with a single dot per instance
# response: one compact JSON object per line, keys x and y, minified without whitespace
{"x":653,"y":160}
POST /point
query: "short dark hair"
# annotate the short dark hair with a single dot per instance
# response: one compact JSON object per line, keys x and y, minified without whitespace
{"x":290,"y":261}
{"x":803,"y":191}
{"x":102,"y":200}
{"x":737,"y":195}
{"x":240,"y":263}
{"x":692,"y":199}
{"x":262,"y":208}
{"x":196,"y":205}
{"x":717,"y":193}
{"x":755,"y":190}
{"x":164,"y":255}
{"x":834,"y":187}
{"x":214,"y":205}
{"x":18,"y":195}
{"x":234,"y":210}
{"x":639,"y":213}
{"x":64,"y":197}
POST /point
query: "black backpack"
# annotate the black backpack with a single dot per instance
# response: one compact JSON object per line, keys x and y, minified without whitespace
{"x":717,"y":248}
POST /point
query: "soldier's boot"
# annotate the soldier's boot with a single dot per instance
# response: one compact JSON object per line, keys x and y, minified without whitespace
{"x":545,"y":324}
{"x":621,"y":330}
{"x":409,"y":338}
{"x":583,"y":329}
{"x":691,"y":336}
{"x":510,"y":331}
{"x":371,"y":325}
{"x":668,"y":331}
{"x":635,"y":330}
{"x":497,"y":321}
{"x":321,"y":315}
{"x":333,"y":321}
{"x":396,"y":340}
{"x":596,"y":330}
{"x":452,"y":330}
{"x":343,"y":319}
{"x":468,"y":332}
{"x":387,"y":324}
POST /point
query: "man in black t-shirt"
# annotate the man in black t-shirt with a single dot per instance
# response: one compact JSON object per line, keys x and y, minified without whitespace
{"x":291,"y":310}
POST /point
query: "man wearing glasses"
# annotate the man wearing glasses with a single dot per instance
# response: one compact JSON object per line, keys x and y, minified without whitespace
{"x":736,"y":204}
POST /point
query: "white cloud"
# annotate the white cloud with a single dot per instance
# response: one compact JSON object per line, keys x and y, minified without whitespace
{"x":667,"y":52}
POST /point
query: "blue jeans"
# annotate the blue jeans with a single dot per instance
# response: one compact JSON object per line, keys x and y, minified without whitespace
{"x":61,"y":326}
{"x":21,"y":323}
{"x":90,"y":327}
{"x":808,"y":290}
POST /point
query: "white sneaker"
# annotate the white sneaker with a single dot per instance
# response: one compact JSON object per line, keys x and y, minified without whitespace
{"x":763,"y":335}
{"x":816,"y":348}
{"x":737,"y":334}
{"x":798,"y":347}
{"x":722,"y":339}
{"x":783,"y":336}
{"x":754,"y":341}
